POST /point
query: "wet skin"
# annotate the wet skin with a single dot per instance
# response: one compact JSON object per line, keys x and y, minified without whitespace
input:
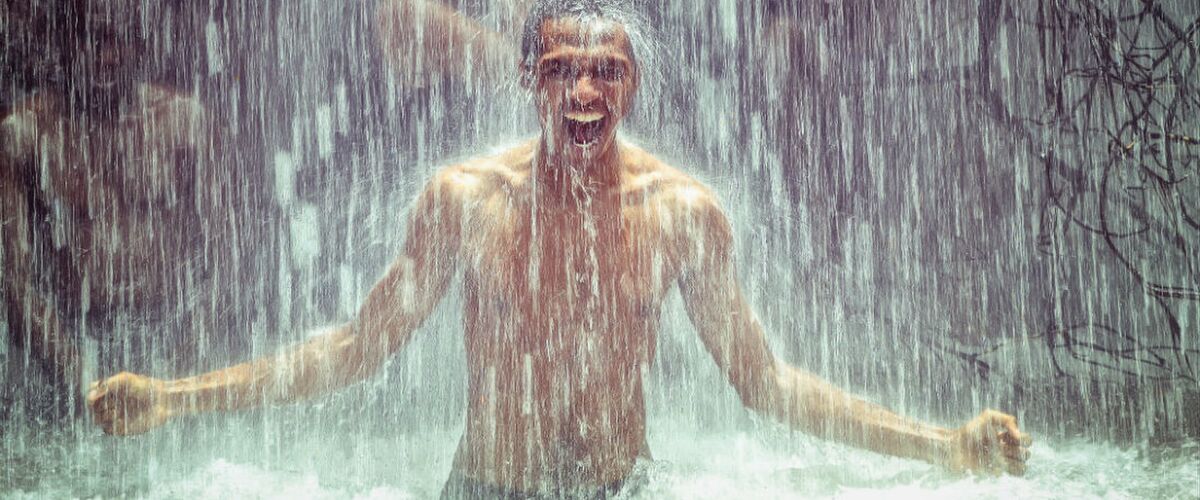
{"x":567,"y":247}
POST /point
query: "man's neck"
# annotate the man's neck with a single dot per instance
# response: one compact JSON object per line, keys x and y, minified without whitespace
{"x":567,"y":179}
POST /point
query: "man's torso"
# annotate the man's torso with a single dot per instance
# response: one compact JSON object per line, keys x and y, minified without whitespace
{"x":562,"y":305}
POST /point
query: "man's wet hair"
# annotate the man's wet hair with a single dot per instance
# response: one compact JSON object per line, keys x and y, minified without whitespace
{"x":618,"y":11}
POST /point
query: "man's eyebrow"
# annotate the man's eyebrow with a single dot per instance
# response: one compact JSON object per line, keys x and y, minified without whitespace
{"x":597,"y":60}
{"x":618,"y":60}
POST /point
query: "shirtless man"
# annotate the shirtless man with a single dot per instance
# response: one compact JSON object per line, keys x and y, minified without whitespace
{"x":112,"y":222}
{"x":567,"y":247}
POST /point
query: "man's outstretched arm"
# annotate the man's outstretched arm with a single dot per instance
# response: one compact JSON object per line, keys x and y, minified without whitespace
{"x":990,"y":443}
{"x":395,"y":307}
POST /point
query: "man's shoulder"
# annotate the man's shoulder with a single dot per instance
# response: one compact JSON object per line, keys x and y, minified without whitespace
{"x":486,"y":174}
{"x":652,"y":180}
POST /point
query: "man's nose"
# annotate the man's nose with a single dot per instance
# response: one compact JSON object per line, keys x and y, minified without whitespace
{"x":584,"y":91}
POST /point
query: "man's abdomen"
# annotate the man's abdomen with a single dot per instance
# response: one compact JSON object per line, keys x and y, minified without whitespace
{"x":551,"y":418}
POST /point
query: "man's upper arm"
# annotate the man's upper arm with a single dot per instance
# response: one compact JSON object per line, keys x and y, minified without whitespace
{"x":713,"y":298}
{"x":419,"y":277}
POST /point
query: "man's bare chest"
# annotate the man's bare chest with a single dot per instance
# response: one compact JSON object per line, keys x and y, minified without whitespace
{"x":593,"y":271}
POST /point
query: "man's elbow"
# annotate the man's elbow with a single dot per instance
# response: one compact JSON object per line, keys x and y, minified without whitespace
{"x":758,"y":388}
{"x":360,"y":355}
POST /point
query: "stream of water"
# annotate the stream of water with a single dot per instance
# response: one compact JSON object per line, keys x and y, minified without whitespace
{"x":942,"y":207}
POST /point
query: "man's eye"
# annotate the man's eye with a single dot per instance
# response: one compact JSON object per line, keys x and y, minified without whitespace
{"x":610,"y":73}
{"x":555,"y":70}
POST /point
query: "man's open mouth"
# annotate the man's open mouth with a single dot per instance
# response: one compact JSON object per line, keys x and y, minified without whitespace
{"x":584,"y":127}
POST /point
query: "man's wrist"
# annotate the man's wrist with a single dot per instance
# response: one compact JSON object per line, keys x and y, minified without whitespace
{"x":942,"y":446}
{"x":177,"y":398}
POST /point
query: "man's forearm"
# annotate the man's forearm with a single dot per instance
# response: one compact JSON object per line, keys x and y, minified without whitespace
{"x":817,"y":407}
{"x":318,"y":366}
{"x":392,"y":311}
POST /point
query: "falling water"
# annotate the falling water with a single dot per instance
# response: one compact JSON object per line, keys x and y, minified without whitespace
{"x":939,"y":207}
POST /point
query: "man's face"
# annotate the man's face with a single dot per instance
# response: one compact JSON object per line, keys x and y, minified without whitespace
{"x":111,"y":46}
{"x":584,"y":83}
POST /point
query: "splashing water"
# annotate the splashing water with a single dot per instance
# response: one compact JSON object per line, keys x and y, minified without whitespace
{"x":942,"y":208}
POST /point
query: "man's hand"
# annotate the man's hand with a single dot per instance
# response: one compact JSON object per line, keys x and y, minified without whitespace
{"x":991,"y":444}
{"x":128,"y":403}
